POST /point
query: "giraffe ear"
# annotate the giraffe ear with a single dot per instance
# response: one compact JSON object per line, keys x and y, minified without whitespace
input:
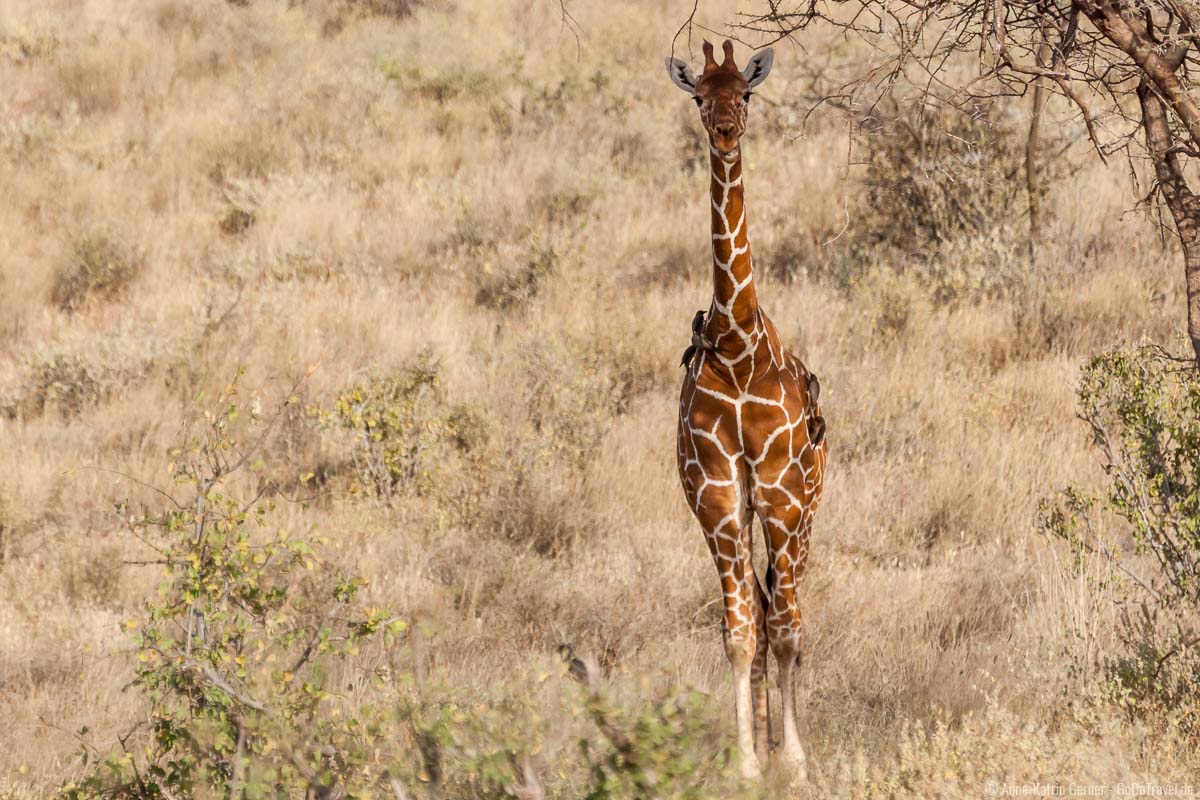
{"x":681,"y":75}
{"x":758,"y":66}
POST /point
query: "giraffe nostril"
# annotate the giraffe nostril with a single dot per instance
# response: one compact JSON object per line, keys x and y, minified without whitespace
{"x":725,"y":129}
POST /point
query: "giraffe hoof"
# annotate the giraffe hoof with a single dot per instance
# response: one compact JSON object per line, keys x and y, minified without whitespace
{"x":751,"y":769}
{"x":793,"y":765}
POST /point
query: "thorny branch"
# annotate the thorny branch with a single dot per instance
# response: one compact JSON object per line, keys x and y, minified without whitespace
{"x":1095,"y":54}
{"x":954,"y":51}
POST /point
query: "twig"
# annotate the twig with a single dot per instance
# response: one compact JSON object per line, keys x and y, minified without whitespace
{"x":570,"y":23}
{"x":687,"y":23}
{"x":845,"y":184}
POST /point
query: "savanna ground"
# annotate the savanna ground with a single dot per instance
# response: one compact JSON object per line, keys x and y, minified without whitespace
{"x":307,"y":189}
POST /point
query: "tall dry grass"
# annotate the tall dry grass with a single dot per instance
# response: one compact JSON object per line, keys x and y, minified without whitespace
{"x":296,"y":184}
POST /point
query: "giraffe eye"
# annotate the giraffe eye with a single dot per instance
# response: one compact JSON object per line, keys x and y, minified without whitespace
{"x":746,"y":97}
{"x":697,"y":99}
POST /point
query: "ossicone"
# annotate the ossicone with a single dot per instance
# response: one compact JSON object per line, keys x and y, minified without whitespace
{"x":728,"y":48}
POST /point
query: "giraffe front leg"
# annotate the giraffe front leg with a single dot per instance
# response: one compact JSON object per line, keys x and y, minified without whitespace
{"x":729,"y":542}
{"x":739,"y":647}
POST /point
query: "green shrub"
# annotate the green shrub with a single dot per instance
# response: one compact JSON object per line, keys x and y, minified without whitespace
{"x":660,"y":753}
{"x":1142,"y":406}
{"x":402,"y":431}
{"x":550,"y":737}
{"x":101,"y":265}
{"x":239,"y":650}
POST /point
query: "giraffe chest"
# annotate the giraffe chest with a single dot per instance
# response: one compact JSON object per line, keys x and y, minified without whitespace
{"x":737,"y":440}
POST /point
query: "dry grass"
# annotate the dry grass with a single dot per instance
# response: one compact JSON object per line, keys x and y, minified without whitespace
{"x":307,"y":183}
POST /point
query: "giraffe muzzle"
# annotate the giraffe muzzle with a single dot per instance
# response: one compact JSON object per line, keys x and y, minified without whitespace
{"x":725,"y":137}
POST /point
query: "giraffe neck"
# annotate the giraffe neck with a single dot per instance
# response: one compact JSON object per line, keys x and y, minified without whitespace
{"x":735,"y":305}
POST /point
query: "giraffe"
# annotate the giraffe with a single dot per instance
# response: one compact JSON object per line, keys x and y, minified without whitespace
{"x":751,"y":438}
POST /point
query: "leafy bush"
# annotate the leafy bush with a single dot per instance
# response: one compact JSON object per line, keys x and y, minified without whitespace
{"x":238,"y":650}
{"x":656,"y":754}
{"x":401,"y":429}
{"x":548,"y":736}
{"x":101,"y":264}
{"x":1142,"y":406}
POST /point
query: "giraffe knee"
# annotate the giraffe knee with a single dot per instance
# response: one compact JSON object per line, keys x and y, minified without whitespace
{"x":786,"y":648}
{"x":741,"y":643}
{"x":784,"y":632}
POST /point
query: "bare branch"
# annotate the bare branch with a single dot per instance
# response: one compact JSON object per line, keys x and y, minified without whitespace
{"x":687,"y":23}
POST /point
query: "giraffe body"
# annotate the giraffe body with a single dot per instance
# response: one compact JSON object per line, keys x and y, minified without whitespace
{"x":751,"y":438}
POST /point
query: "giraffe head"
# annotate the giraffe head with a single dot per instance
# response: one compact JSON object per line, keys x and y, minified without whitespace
{"x":722,"y":92}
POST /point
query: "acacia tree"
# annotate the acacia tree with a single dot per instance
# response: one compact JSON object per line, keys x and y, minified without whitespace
{"x":1126,"y":66}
